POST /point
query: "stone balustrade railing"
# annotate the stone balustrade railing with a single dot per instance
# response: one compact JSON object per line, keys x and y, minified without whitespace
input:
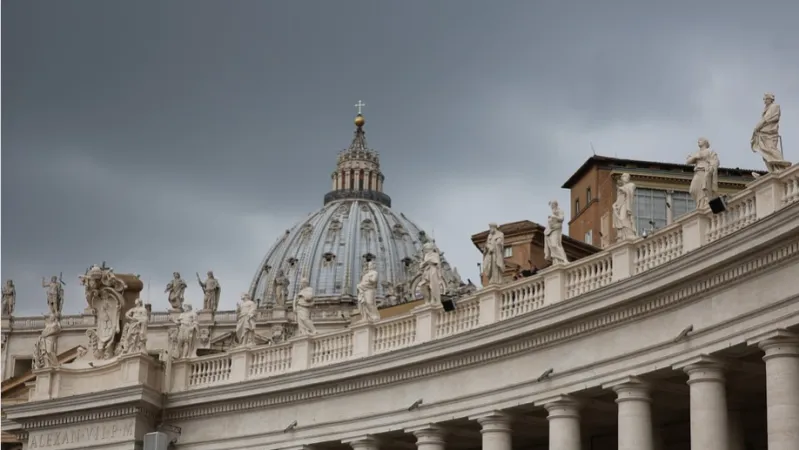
{"x":496,"y":303}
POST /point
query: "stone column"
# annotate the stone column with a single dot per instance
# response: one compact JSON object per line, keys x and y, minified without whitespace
{"x":709,"y":419}
{"x":363,"y":443}
{"x":429,"y":437}
{"x":496,"y":430}
{"x":635,"y":414}
{"x":782,"y":390}
{"x":564,"y":423}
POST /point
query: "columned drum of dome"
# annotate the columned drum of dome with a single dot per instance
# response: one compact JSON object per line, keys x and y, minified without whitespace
{"x":355,"y":225}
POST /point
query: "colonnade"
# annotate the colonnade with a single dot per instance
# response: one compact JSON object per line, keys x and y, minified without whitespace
{"x":710,"y":418}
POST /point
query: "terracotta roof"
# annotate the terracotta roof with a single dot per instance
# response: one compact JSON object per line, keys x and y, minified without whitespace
{"x":745,"y":175}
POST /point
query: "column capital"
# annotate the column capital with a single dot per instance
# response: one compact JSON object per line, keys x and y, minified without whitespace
{"x":777,"y":343}
{"x":493,"y":421}
{"x":362,"y":442}
{"x":702,"y":368}
{"x":428,"y":434}
{"x":560,"y":406}
{"x":629,"y":388}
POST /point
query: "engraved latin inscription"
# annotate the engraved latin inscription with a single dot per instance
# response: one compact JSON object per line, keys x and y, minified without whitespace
{"x":81,"y":436}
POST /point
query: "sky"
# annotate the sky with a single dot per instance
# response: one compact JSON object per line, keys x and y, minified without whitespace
{"x":188,"y":135}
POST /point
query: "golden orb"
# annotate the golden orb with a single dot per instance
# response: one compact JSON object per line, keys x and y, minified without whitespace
{"x":359,"y":121}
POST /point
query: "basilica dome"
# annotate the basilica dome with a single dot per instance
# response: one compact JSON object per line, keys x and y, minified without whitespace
{"x":331,"y":246}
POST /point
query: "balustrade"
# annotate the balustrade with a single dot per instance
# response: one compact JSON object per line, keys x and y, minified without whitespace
{"x":487,"y":306}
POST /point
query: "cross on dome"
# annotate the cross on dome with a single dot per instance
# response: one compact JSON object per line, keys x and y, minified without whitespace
{"x":360,"y":105}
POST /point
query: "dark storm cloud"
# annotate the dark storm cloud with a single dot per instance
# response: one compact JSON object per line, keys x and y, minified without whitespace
{"x":163,"y":136}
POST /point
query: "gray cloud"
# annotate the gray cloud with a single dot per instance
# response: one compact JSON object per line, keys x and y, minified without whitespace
{"x":188,"y":135}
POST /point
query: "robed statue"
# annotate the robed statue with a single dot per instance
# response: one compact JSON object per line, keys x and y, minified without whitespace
{"x":303,"y":303}
{"x":766,"y":138}
{"x":553,"y":236}
{"x":45,"y":351}
{"x":432,"y":284}
{"x":494,"y":255}
{"x":281,"y":285}
{"x":367,"y":290}
{"x":134,"y":332}
{"x":245,"y":320}
{"x":705,"y":184}
{"x":176,"y":288}
{"x":211,"y":291}
{"x":623,"y":220}
{"x":9,"y":298}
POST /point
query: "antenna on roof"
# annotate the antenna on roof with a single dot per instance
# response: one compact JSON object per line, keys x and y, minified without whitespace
{"x":592,"y":148}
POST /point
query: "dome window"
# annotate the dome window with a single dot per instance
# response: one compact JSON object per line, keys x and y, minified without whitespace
{"x":292,"y":261}
{"x":407,"y":261}
{"x":329,"y":257}
{"x":368,"y":257}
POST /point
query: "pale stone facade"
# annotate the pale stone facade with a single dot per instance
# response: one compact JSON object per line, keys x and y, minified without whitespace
{"x":688,"y":338}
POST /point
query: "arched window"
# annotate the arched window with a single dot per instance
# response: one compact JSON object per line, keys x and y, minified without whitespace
{"x":352,"y":179}
{"x":360,"y":180}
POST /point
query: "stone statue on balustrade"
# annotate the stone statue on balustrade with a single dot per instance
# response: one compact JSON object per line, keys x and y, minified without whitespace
{"x":245,"y":321}
{"x":211,"y":291}
{"x":494,"y":255}
{"x":432,"y":284}
{"x":705,"y":184}
{"x":134,"y":332}
{"x":45,"y":351}
{"x":9,"y":298}
{"x":104,"y":291}
{"x":553,"y":236}
{"x":367,"y":290}
{"x":623,"y":219}
{"x":303,"y":303}
{"x":55,"y":294}
{"x":188,"y":332}
{"x":766,"y":138}
{"x":281,"y":288}
{"x":176,"y":289}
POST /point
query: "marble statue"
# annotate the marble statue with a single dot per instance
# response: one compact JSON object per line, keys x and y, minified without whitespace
{"x":188,"y":332}
{"x":553,"y":236}
{"x":281,"y":284}
{"x":766,"y":138}
{"x":9,"y":298}
{"x":245,"y":321}
{"x":705,"y":184}
{"x":55,"y":294}
{"x":367,"y":289}
{"x":303,"y":302}
{"x":433,"y":284}
{"x":104,"y":293}
{"x":94,"y":280}
{"x":176,"y":288}
{"x":211,"y":291}
{"x":494,"y":255}
{"x":134,"y":333}
{"x":623,"y":221}
{"x":45,"y":351}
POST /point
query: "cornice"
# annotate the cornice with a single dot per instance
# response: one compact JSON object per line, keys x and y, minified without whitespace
{"x":114,"y":398}
{"x":535,"y":330}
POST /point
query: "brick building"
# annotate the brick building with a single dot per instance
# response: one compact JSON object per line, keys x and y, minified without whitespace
{"x":661,"y":195}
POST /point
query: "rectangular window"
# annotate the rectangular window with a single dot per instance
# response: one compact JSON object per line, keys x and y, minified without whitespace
{"x":589,"y":237}
{"x":577,"y":206}
{"x":508,"y":252}
{"x":681,"y":204}
{"x":587,"y":195}
{"x":650,"y":210}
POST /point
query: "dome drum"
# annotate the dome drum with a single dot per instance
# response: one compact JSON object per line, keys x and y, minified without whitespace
{"x":375,"y":196}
